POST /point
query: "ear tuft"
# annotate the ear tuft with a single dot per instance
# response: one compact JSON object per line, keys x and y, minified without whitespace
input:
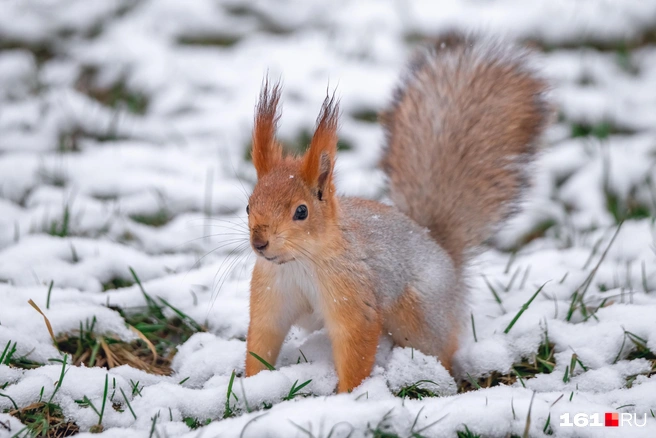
{"x":319,"y":160}
{"x":266,"y":150}
{"x":325,"y":169}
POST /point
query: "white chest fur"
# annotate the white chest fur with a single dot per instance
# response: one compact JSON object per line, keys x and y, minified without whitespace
{"x":300,"y":284}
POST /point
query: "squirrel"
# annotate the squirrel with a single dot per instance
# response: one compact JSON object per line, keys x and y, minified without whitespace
{"x":461,"y":131}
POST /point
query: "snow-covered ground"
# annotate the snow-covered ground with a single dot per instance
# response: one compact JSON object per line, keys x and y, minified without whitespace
{"x":124,"y":130}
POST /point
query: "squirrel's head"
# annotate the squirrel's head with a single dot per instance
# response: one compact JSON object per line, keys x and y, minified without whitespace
{"x":293,"y":203}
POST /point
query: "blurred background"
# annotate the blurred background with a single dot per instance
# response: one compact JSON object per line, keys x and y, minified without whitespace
{"x":134,"y":112}
{"x":125,"y":128}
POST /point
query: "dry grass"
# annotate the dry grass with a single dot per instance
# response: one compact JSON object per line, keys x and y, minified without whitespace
{"x":44,"y":420}
{"x":540,"y":362}
{"x":109,"y":352}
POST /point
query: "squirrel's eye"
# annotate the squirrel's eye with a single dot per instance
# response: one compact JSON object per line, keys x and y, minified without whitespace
{"x":248,"y":210}
{"x":301,"y":213}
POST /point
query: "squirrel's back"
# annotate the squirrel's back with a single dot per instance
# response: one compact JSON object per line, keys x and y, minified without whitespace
{"x":397,"y":250}
{"x":462,"y":127}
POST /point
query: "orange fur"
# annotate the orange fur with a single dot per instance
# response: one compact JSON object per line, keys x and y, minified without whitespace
{"x":266,"y":152}
{"x":406,"y":323}
{"x":271,"y":319}
{"x":353,"y":323}
{"x":318,"y":162}
{"x":405,"y":319}
{"x":451,"y":344}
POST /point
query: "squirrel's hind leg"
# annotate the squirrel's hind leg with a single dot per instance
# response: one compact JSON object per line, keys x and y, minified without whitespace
{"x":419,"y":322}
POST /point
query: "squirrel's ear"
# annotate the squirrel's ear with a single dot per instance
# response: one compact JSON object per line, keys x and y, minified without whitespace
{"x":319,"y":160}
{"x":266,"y":152}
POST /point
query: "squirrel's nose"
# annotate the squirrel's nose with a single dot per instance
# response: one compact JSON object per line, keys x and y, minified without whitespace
{"x":260,"y":244}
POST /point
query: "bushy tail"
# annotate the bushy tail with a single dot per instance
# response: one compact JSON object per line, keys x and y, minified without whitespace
{"x":463,"y":126}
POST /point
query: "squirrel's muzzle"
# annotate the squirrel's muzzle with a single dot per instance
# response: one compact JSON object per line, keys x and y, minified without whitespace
{"x":259,"y":243}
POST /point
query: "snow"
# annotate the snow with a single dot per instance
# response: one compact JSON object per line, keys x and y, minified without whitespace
{"x":95,"y":170}
{"x":405,"y":367}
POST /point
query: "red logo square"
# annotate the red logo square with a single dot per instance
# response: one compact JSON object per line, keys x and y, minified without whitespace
{"x":612,"y":419}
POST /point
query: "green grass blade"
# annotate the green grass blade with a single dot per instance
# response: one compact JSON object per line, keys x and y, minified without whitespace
{"x":10,"y":399}
{"x":296,"y":389}
{"x":127,"y":402}
{"x":494,"y":293}
{"x":183,"y":315}
{"x":61,"y":379}
{"x":102,"y":408}
{"x":153,"y":307}
{"x":523,"y":309}
{"x":546,"y":425}
{"x":4,"y":353}
{"x":264,"y":362}
{"x":474,"y":382}
{"x":152,"y":426}
{"x":228,"y":410}
{"x":52,"y":282}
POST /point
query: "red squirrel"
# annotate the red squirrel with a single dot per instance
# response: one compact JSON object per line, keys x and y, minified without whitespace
{"x":463,"y":126}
